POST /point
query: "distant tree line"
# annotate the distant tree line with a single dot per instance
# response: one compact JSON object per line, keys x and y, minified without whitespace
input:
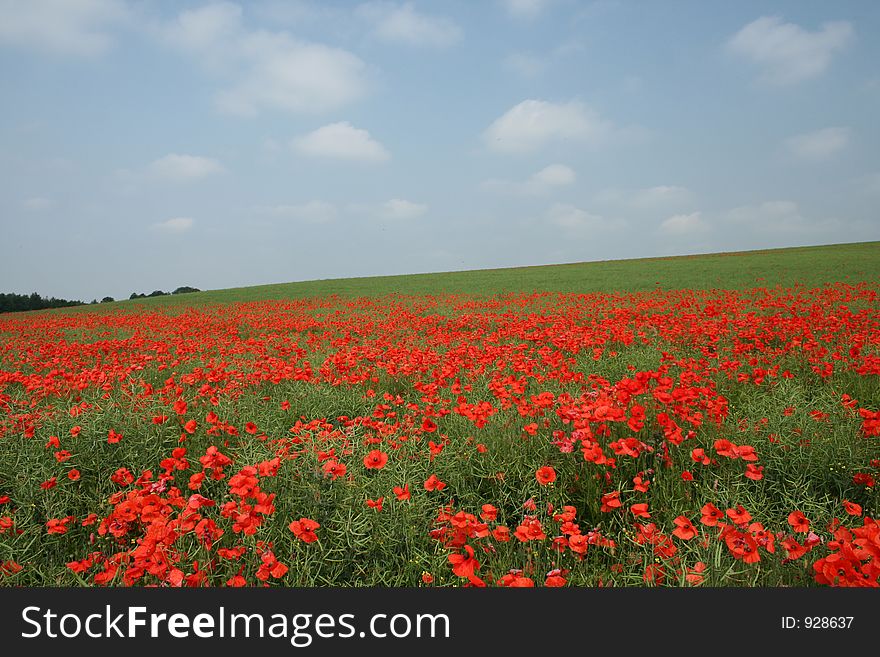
{"x":159,"y":293}
{"x":11,"y":302}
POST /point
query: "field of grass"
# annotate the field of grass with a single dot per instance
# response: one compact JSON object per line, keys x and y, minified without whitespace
{"x":695,"y":421}
{"x":810,"y":266}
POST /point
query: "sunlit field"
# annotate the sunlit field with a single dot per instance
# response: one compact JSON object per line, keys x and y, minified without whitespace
{"x":687,"y":422}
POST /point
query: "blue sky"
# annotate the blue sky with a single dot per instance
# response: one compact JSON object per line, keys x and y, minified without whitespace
{"x":148,"y":145}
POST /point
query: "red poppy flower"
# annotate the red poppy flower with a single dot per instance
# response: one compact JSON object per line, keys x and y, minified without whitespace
{"x":852,"y":508}
{"x":694,"y":575}
{"x":501,"y":534}
{"x":545,"y":475}
{"x":743,"y":546}
{"x":464,"y":565}
{"x":798,"y":521}
{"x":556,"y":578}
{"x":739,"y":515}
{"x":334,"y":469}
{"x":755,"y":472}
{"x":304,"y":530}
{"x":376,"y":460}
{"x":684,"y":529}
{"x":699,"y":456}
{"x":432,"y":483}
{"x":402,"y":493}
{"x":711,"y":515}
{"x":610,"y":501}
{"x":488,"y":513}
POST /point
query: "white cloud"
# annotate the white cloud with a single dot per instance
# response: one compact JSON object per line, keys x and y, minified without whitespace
{"x":554,"y":176}
{"x":316,"y":212}
{"x":533,"y":123}
{"x":786,"y":52}
{"x":649,"y":199}
{"x":684,"y":224}
{"x":770,"y":216}
{"x":782,"y":223}
{"x":267,"y":70}
{"x":181,"y":168}
{"x":660,"y":196}
{"x":403,"y":24}
{"x":288,"y":75}
{"x":342,"y":141}
{"x":395,"y":209}
{"x":525,"y":9}
{"x":37,"y":204}
{"x":398,"y":208}
{"x":205,"y":28}
{"x":564,"y":215}
{"x":64,"y":27}
{"x":819,"y":145}
{"x":176,"y":225}
{"x":548,"y":178}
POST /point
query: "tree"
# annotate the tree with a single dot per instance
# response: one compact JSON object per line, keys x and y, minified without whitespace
{"x":185,"y":289}
{"x":108,"y":300}
{"x":12,"y":302}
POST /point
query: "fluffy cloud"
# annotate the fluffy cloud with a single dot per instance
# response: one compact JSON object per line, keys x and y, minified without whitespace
{"x":781,"y":223}
{"x":341,"y":141}
{"x":182,"y":168}
{"x":175,"y":225}
{"x":525,"y":9}
{"x":204,"y":29}
{"x":787,"y":53}
{"x":532,"y":124}
{"x":554,"y":176}
{"x":267,"y":70}
{"x":395,"y":209}
{"x":648,"y":199}
{"x":684,"y":224}
{"x":398,"y":208}
{"x":570,"y":217}
{"x":403,"y":24}
{"x":819,"y":145}
{"x":72,"y":27}
{"x":548,"y":178}
{"x":770,"y":216}
{"x":315,"y":212}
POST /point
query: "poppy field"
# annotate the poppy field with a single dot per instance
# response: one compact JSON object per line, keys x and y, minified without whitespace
{"x":656,"y":437}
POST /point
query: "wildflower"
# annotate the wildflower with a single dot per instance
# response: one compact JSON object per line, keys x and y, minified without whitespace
{"x":376,"y":460}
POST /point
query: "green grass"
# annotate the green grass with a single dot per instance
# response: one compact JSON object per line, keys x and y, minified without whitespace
{"x":809,"y":265}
